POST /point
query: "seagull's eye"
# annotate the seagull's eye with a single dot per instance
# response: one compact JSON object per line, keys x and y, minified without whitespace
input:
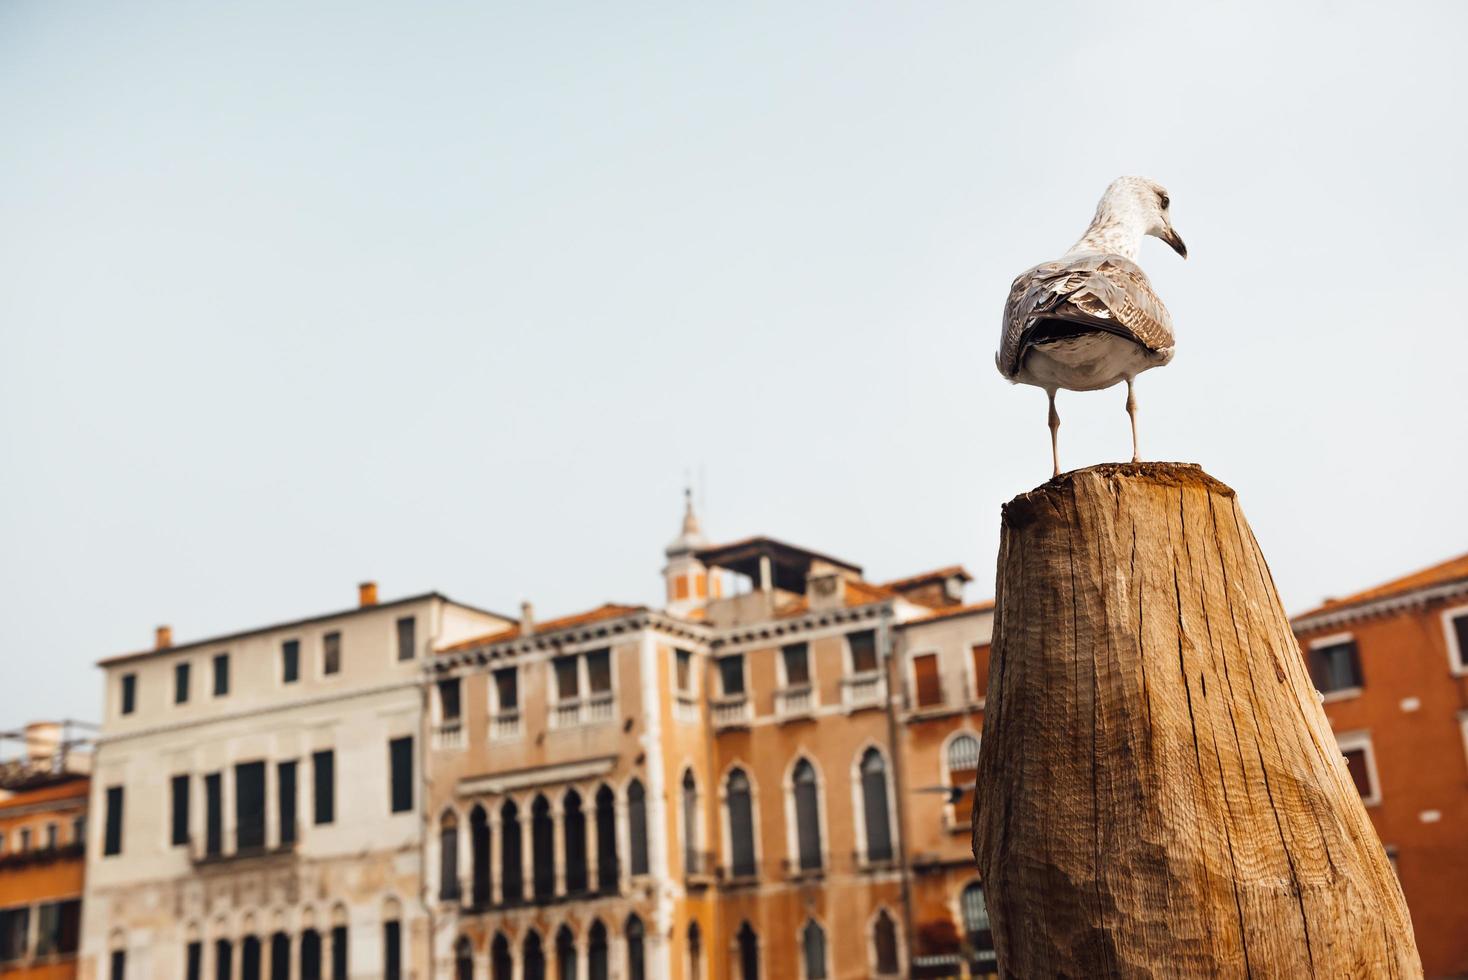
{"x":1166,"y":201}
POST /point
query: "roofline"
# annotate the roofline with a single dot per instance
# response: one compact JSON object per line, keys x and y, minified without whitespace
{"x":291,"y":624}
{"x":634,"y":619}
{"x":1316,"y":619}
{"x":952,"y":612}
{"x":759,"y":538}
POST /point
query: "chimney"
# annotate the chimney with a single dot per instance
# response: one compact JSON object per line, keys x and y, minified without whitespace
{"x":527,"y":619}
{"x":367,"y":594}
{"x":163,"y":638}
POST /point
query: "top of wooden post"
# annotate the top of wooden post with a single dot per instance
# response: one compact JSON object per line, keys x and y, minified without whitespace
{"x":1021,"y":509}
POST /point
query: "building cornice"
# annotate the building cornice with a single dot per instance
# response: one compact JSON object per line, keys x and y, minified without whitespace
{"x":775,"y":629}
{"x":1388,"y":606}
{"x":555,"y":640}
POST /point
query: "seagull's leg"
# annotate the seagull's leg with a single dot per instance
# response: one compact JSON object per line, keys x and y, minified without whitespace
{"x":1054,"y":432}
{"x":1131,"y":409}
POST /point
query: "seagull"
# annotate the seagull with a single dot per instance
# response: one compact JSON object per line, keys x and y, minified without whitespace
{"x":1089,"y":319}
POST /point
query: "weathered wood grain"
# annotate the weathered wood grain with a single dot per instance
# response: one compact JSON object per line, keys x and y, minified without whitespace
{"x":1159,"y":792}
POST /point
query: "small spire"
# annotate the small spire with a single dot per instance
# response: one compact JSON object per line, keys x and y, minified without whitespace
{"x":692,"y":536}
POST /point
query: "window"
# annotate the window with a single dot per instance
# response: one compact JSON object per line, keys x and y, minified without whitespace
{"x":636,"y":964}
{"x":567,"y":678}
{"x":543,"y":849}
{"x":596,"y":952}
{"x":223,"y":958}
{"x":695,"y":952}
{"x":180,"y":787}
{"x":407,"y":638}
{"x":1335,"y":666}
{"x":532,"y":958}
{"x":927,"y":685}
{"x":796,"y":658}
{"x":748,"y":944}
{"x":25,"y":839}
{"x":863,"y":647}
{"x":339,"y":953}
{"x":512,"y":888}
{"x":310,"y":955}
{"x":807,"y":815}
{"x":962,"y":759}
{"x":690,"y":823}
{"x":976,"y":927}
{"x":884,"y":943}
{"x":607,"y":870}
{"x":221,"y":674}
{"x":1455,"y":623}
{"x":741,"y":824}
{"x":574,"y":822}
{"x":392,"y":951}
{"x":112,"y":837}
{"x":249,"y":805}
{"x":331,"y":653}
{"x":129,"y":693}
{"x":507,"y":690}
{"x":479,"y":859}
{"x":683,"y":671}
{"x":323,"y":772}
{"x":448,"y":701}
{"x":501,"y":965}
{"x":59,"y":927}
{"x":980,"y":653}
{"x":731,"y":675}
{"x":599,"y":672}
{"x":194,"y":961}
{"x":285,"y":797}
{"x":290,"y":661}
{"x":117,"y":965}
{"x":565,"y":954}
{"x":53,"y":836}
{"x":813,"y":950}
{"x":874,"y":806}
{"x":280,"y":955}
{"x":78,"y":830}
{"x":400,"y":765}
{"x":213,"y":814}
{"x":464,"y":958}
{"x":181,"y":682}
{"x":250,"y":958}
{"x":1361,"y":764}
{"x":15,"y":927}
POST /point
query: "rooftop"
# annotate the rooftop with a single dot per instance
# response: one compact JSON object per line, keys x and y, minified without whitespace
{"x":789,"y":564}
{"x":607,"y":610}
{"x":1443,"y":573}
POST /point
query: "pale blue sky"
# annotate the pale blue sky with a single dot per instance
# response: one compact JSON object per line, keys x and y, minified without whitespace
{"x":453,"y":295}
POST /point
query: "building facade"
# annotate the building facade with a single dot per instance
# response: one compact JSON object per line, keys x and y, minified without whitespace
{"x":43,"y":807}
{"x":769,"y":777}
{"x":1391,"y":664}
{"x":256,"y":801}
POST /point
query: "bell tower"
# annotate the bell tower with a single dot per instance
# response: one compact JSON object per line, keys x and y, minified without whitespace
{"x":687,"y":579}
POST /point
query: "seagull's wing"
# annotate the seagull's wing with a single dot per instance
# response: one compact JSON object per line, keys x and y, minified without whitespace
{"x":1094,"y":290}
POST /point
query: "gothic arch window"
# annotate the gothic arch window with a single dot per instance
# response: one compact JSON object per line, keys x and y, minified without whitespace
{"x":884,"y":944}
{"x":690,"y":823}
{"x":565,"y":954}
{"x":250,"y":958}
{"x":961,"y":759}
{"x":637,"y":826}
{"x":543,"y":848}
{"x":695,"y":952}
{"x":806,"y":791}
{"x":740,"y":804}
{"x":448,"y":857}
{"x":606,"y":840}
{"x":573,"y":821}
{"x":512,"y":885}
{"x":479,"y":849}
{"x":747,"y":952}
{"x":532,"y":958}
{"x":597,"y":963}
{"x":976,"y":929}
{"x":501,"y":963}
{"x":875,"y":810}
{"x":813,"y":950}
{"x":636,"y":951}
{"x":463,"y":959}
{"x":310,"y":955}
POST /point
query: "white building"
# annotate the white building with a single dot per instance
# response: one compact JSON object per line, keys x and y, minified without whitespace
{"x":259,"y":797}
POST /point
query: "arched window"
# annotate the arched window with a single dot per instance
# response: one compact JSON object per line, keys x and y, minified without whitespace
{"x":310,"y":955}
{"x":976,"y":926}
{"x":250,"y":958}
{"x":512,"y":886}
{"x":463,"y":959}
{"x":280,"y":955}
{"x":501,"y":964}
{"x":695,"y":952}
{"x":574,"y":823}
{"x":543,"y":848}
{"x":565,"y":954}
{"x":813,"y":950}
{"x":748,"y":944}
{"x":963,"y":768}
{"x":637,"y":825}
{"x":448,"y":858}
{"x":741,"y":824}
{"x":690,"y":824}
{"x":874,"y":806}
{"x":884,"y":942}
{"x":479,"y":842}
{"x":606,"y":840}
{"x":636,"y":962}
{"x":223,"y":959}
{"x":807,"y":815}
{"x":532,"y":958}
{"x":596,"y":952}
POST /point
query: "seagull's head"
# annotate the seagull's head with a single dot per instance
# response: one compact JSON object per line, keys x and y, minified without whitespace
{"x":1144,"y":202}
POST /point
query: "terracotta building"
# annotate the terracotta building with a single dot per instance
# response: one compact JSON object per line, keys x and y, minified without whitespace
{"x":770,"y":777}
{"x":1392,"y":665}
{"x":43,"y":806}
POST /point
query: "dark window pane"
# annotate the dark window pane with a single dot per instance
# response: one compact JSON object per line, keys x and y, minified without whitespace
{"x":565,"y":955}
{"x":606,"y":841}
{"x":512,"y":887}
{"x":392,"y":950}
{"x":976,"y":927}
{"x":250,"y":958}
{"x":463,"y":959}
{"x":15,"y":925}
{"x":748,"y":953}
{"x":180,"y":682}
{"x":683,"y":664}
{"x":339,"y":953}
{"x":575,"y":829}
{"x":731,"y":675}
{"x":637,"y":826}
{"x":221,"y":674}
{"x":1460,"y":633}
{"x":448,"y":699}
{"x":690,"y":823}
{"x":129,"y":693}
{"x":863,"y":647}
{"x":1336,"y":667}
{"x":249,"y":805}
{"x":194,"y":961}
{"x":117,"y":965}
{"x":507,"y":690}
{"x":797,"y":664}
{"x":807,"y":815}
{"x":407,"y":638}
{"x":813,"y":946}
{"x":400,"y":762}
{"x":597,"y":963}
{"x":741,"y":824}
{"x":112,"y":837}
{"x":448,"y":860}
{"x":223,"y":959}
{"x":532,"y":960}
{"x":290,"y":661}
{"x":599,"y":671}
{"x":885,"y":941}
{"x":501,"y":964}
{"x":310,"y":955}
{"x":69,"y":938}
{"x":323,"y":770}
{"x":285,"y":774}
{"x":543,"y":848}
{"x":280,"y":956}
{"x":479,"y":856}
{"x":874,"y":806}
{"x":636,"y":965}
{"x":567,"y":686}
{"x":180,"y":793}
{"x":331,"y":653}
{"x":1360,"y":772}
{"x":48,"y":928}
{"x":213,"y":814}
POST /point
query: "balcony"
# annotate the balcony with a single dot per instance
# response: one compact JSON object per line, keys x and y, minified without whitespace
{"x":865,"y":690}
{"x":731,"y":712}
{"x":504,"y":725}
{"x":596,"y":708}
{"x":685,"y":708}
{"x":699,"y":868}
{"x":449,"y":735}
{"x":795,"y":702}
{"x":247,"y":847}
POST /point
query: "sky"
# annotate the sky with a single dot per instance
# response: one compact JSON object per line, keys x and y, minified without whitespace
{"x":458,"y":296}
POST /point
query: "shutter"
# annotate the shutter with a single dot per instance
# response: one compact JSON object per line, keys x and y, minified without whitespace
{"x":213,"y":814}
{"x":929,"y":687}
{"x":180,"y":833}
{"x":510,"y":884}
{"x":285,"y":796}
{"x":249,"y":805}
{"x":323,"y":766}
{"x":741,"y":825}
{"x":807,"y":817}
{"x":980,"y":653}
{"x":392,"y":952}
{"x":400,"y":757}
{"x":112,"y":842}
{"x":637,"y":826}
{"x":874,"y":800}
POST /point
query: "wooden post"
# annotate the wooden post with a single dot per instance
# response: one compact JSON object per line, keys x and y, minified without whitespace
{"x":1159,"y":792}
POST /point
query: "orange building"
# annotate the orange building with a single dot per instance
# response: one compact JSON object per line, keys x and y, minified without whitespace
{"x":1392,"y":667}
{"x":43,"y":806}
{"x":770,"y":777}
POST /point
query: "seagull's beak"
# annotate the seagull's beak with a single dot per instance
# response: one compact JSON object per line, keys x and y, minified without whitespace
{"x":1175,"y":240}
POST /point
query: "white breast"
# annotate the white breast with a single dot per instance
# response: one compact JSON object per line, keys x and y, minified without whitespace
{"x":1087,"y":363}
